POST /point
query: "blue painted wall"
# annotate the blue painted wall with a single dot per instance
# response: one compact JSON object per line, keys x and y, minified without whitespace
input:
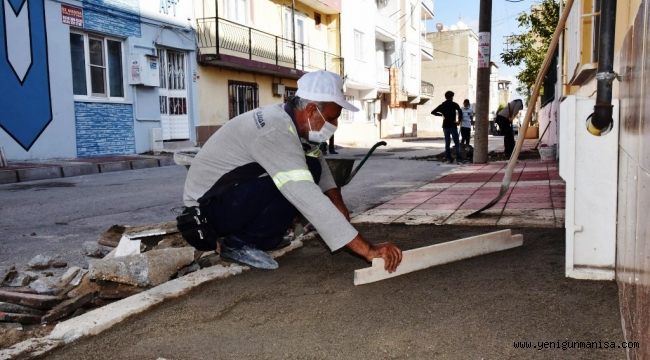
{"x":115,"y":17}
{"x":104,"y":129}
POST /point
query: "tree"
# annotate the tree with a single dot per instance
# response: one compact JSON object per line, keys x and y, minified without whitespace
{"x":528,"y":48}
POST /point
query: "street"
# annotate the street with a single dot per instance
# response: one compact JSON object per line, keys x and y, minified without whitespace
{"x":54,"y":217}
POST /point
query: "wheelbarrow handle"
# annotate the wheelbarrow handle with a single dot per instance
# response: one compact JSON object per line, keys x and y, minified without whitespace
{"x":356,"y":169}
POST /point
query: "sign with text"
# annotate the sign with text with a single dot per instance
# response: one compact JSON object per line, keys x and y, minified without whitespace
{"x":71,"y":15}
{"x":484,"y":50}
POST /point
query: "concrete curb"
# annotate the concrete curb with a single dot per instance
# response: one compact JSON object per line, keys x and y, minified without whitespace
{"x":63,"y":169}
{"x":101,"y":319}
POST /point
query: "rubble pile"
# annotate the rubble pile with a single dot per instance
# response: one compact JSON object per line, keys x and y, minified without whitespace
{"x":49,"y":291}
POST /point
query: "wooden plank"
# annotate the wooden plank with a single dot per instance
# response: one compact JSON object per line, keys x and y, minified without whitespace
{"x":438,"y":254}
{"x":31,"y":300}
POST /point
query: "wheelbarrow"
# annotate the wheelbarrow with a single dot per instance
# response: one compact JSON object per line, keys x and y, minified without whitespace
{"x":342,"y":169}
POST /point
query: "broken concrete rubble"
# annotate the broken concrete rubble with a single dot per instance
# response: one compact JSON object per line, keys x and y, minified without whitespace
{"x":19,"y":309}
{"x":93,"y":249}
{"x":20,"y":279}
{"x":111,"y":237}
{"x":148,"y":269}
{"x":67,"y":307}
{"x":40,"y":262}
{"x":6,"y":273}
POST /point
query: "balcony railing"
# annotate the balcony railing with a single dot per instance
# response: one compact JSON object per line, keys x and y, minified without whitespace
{"x":426,"y":89}
{"x":252,"y":44}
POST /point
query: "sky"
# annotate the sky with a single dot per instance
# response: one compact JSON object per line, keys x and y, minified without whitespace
{"x":504,"y":22}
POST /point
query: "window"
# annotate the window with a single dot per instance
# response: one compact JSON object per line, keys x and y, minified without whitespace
{"x":300,"y":20}
{"x":237,"y":11}
{"x":289,"y":92}
{"x":346,"y":115}
{"x":96,"y":66}
{"x":242,"y":97}
{"x":358,"y":45}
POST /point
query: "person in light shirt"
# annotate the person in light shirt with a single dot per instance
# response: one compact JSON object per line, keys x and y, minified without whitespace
{"x":262,"y":168}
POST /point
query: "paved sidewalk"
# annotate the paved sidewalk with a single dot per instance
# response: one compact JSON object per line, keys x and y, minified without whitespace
{"x":535,"y":198}
{"x":18,"y":171}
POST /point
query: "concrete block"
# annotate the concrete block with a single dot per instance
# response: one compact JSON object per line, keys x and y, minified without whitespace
{"x":8,"y":176}
{"x":114,"y":166}
{"x":166,"y":161}
{"x":78,"y":169}
{"x":39,"y":173}
{"x":144,"y":163}
{"x":148,"y":269}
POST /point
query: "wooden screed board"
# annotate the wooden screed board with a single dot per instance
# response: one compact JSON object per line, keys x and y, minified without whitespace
{"x":438,"y":254}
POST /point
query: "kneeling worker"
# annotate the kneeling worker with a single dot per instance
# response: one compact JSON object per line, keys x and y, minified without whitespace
{"x":253,"y":176}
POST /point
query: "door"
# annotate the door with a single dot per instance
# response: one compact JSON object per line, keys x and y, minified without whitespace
{"x":173,"y":95}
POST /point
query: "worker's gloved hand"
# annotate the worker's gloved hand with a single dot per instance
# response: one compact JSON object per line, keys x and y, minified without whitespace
{"x":391,"y":254}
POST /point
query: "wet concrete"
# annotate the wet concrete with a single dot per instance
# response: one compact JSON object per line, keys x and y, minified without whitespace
{"x":309,"y":309}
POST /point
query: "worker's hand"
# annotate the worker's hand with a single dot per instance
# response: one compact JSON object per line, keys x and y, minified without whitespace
{"x":391,"y":254}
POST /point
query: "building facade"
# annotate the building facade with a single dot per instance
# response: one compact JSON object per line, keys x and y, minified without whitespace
{"x":105,"y":76}
{"x":608,"y":176}
{"x":453,"y":69}
{"x":251,"y":53}
{"x":383,"y":55}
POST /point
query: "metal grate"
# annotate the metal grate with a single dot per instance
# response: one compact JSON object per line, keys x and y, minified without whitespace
{"x":242,"y":97}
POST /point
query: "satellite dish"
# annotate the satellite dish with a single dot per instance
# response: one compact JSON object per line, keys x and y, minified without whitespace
{"x":439,"y":26}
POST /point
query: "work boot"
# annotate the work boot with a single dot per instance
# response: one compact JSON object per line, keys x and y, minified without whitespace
{"x":248,"y":255}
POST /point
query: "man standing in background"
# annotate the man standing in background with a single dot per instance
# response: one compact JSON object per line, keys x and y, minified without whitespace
{"x":448,"y":110}
{"x":466,"y":124}
{"x":504,"y":120}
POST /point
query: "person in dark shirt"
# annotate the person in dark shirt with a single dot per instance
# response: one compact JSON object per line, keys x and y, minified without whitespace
{"x":450,"y":111}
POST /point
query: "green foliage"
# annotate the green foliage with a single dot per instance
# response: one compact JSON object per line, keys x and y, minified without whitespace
{"x":529,"y":47}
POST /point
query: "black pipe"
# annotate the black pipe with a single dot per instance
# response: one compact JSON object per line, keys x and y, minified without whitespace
{"x":602,"y":117}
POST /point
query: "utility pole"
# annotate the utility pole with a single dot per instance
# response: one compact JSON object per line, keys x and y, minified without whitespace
{"x":483,"y":83}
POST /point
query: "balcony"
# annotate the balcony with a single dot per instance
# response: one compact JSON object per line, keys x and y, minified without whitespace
{"x":247,"y":49}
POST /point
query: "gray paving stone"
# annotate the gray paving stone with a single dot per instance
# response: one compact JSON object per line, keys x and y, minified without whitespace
{"x":39,"y":173}
{"x":8,"y":176}
{"x":144,"y":163}
{"x":114,"y":166}
{"x":77,"y":169}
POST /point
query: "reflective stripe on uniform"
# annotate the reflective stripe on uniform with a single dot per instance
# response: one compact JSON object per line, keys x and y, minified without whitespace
{"x":281,"y":178}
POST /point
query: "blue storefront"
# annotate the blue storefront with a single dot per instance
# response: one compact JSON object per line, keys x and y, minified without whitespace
{"x":95,"y":77}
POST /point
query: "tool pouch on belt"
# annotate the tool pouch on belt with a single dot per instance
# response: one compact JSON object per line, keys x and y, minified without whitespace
{"x":193,"y":225}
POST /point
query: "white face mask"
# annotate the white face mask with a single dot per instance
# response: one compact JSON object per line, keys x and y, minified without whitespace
{"x":322,"y":135}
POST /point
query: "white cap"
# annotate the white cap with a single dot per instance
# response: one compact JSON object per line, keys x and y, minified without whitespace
{"x":323,"y":86}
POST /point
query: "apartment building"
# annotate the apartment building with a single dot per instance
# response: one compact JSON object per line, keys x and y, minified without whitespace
{"x":95,"y":77}
{"x":606,"y":169}
{"x":251,"y":53}
{"x":383,"y":59}
{"x":453,"y":69}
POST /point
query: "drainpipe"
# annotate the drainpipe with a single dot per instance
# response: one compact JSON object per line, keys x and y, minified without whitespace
{"x":601,"y":120}
{"x":293,"y":31}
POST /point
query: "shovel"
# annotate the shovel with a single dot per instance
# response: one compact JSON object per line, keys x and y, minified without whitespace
{"x":529,"y":112}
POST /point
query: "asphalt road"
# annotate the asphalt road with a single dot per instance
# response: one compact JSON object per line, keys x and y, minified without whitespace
{"x":54,"y":217}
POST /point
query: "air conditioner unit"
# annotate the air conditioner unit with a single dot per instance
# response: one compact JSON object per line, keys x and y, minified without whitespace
{"x":278,"y":89}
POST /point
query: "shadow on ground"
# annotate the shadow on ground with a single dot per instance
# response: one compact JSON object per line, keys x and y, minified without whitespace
{"x":309,"y":309}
